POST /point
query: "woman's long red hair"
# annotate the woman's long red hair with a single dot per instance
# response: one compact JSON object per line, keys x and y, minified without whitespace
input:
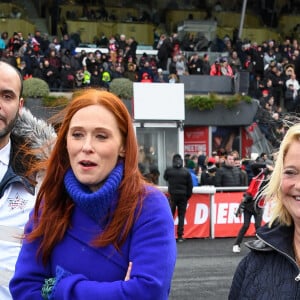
{"x":53,"y":207}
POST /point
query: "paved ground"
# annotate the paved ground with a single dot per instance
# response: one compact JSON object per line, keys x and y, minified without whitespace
{"x":204,"y":269}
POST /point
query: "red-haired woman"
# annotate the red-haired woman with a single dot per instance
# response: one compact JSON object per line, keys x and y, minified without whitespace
{"x":98,"y":229}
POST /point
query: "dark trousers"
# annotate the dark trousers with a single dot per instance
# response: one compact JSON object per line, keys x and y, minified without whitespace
{"x":179,"y":202}
{"x":247,"y":218}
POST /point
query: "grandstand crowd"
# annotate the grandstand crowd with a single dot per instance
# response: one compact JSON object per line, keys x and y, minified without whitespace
{"x":273,"y":66}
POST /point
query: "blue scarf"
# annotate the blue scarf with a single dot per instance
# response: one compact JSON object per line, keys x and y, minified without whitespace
{"x":95,"y":204}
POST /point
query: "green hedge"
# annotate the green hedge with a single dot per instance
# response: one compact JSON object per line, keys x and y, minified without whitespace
{"x":122,"y":87}
{"x":35,"y":87}
{"x":208,"y":102}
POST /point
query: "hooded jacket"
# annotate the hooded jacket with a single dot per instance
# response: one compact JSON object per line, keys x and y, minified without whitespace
{"x":18,"y":192}
{"x":179,"y":178}
{"x":269,"y":271}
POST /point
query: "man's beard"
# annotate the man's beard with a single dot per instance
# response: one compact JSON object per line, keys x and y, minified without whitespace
{"x":8,"y":129}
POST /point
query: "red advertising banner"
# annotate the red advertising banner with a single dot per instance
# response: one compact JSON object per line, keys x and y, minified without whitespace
{"x":226,"y":224}
{"x":195,"y":140}
{"x":197,"y":217}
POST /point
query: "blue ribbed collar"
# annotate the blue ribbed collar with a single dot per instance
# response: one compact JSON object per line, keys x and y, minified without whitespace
{"x":95,"y":204}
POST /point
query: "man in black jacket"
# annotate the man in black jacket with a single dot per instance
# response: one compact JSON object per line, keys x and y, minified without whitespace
{"x":228,"y":174}
{"x":180,"y":188}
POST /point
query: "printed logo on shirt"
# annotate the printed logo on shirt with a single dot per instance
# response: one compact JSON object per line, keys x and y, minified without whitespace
{"x":17,"y":202}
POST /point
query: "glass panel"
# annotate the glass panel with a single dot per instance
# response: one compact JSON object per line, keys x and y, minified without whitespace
{"x":156,"y":149}
{"x":226,"y":139}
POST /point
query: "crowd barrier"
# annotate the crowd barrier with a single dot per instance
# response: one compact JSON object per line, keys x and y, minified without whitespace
{"x":211,"y":213}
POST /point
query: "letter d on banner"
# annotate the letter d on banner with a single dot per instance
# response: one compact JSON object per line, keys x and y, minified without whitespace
{"x":201,"y":213}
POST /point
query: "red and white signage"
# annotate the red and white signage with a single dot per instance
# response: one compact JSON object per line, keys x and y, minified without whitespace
{"x":225,"y":223}
{"x":195,"y":140}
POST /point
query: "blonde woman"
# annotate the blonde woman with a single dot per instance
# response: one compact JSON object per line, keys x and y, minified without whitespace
{"x":271,"y":270}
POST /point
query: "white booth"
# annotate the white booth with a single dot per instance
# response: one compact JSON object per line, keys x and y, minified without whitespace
{"x":159,"y":112}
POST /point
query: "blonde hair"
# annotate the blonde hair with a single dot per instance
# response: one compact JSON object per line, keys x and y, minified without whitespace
{"x":272,"y":192}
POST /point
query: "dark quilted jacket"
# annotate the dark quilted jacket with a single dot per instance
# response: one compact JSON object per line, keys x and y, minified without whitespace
{"x":269,"y":271}
{"x":179,"y":178}
{"x":228,"y":176}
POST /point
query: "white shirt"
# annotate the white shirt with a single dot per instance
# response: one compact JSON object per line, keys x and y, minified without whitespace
{"x":294,"y":82}
{"x":4,"y":159}
{"x":15,"y":205}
